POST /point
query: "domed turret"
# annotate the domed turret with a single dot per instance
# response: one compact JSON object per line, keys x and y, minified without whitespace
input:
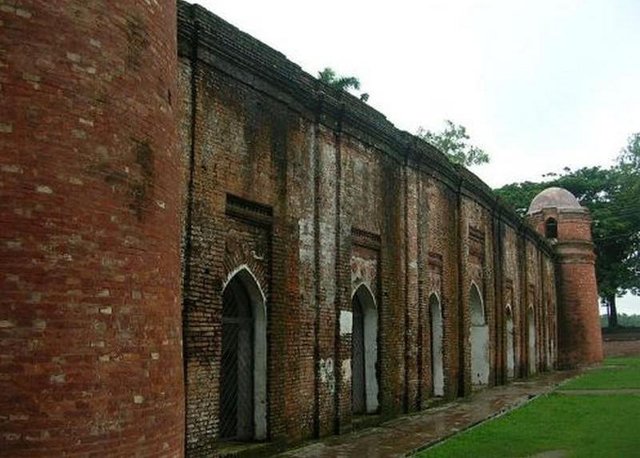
{"x":557,"y":215}
{"x":554,"y":197}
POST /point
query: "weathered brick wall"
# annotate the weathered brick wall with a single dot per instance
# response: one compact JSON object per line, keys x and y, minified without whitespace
{"x":512,"y":291}
{"x":305,"y":190}
{"x":350,"y":201}
{"x":477,"y":269}
{"x":438,"y":212}
{"x":533,"y":294}
{"x":551,"y":317}
{"x":90,"y":197}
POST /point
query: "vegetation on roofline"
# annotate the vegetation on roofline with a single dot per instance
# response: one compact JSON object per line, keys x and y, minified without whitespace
{"x":453,"y":141}
{"x":342,"y":82}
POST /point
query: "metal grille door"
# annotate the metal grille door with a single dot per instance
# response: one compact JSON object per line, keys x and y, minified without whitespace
{"x":358,"y":398}
{"x":236,"y":368}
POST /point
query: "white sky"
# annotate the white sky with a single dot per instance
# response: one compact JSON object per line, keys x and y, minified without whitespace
{"x":539,"y":84}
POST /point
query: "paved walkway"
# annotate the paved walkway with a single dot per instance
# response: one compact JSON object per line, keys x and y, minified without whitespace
{"x":407,"y":434}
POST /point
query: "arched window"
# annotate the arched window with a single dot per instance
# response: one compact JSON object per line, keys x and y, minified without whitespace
{"x":437,"y":366}
{"x":551,"y":228}
{"x":477,"y":308}
{"x":479,"y":339}
{"x":364,"y":352}
{"x":243,"y":365}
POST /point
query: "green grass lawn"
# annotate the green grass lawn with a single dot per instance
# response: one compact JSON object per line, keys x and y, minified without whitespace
{"x":616,"y":373}
{"x":580,"y":425}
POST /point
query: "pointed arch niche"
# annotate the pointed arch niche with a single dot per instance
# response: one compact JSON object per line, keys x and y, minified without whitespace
{"x":510,"y":337}
{"x":531,"y":339}
{"x":479,"y":339}
{"x":364,"y":352}
{"x":243,"y":366}
{"x":437,"y":345}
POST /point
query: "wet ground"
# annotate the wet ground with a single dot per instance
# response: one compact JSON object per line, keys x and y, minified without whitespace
{"x":408,"y":434}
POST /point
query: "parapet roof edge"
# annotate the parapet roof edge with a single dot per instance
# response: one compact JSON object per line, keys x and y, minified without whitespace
{"x":283,"y":73}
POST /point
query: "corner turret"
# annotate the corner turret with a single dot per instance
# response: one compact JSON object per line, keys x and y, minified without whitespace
{"x":557,"y":215}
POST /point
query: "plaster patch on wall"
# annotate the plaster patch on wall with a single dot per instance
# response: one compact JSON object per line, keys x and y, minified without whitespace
{"x":346,"y":322}
{"x":306,"y":237}
{"x":363,"y":271}
{"x":346,"y":370}
{"x":327,"y":374}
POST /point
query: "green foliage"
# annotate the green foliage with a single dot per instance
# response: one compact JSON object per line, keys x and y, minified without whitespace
{"x":343,"y":83}
{"x":630,"y":154}
{"x":454,"y":142}
{"x":611,"y":195}
{"x":580,"y":425}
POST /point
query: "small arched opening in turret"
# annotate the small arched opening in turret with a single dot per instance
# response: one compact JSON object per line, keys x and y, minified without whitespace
{"x":551,"y":228}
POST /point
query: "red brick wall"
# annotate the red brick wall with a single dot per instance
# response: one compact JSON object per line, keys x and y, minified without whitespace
{"x":512,"y":291}
{"x":477,"y":268}
{"x":349,"y":206}
{"x":311,"y":190}
{"x":90,"y":197}
{"x":438,"y":209}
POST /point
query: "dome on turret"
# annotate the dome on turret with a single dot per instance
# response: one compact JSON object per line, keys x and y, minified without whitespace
{"x":554,"y":197}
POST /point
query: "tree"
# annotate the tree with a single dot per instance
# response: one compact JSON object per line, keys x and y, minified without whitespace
{"x":343,"y":83}
{"x":454,"y":142}
{"x":611,"y":195}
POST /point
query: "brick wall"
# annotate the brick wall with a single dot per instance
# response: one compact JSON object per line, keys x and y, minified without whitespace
{"x":301,"y":189}
{"x":90,"y":198}
{"x":352,"y":201}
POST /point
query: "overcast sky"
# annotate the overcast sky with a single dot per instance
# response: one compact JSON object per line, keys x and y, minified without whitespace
{"x":539,"y":84}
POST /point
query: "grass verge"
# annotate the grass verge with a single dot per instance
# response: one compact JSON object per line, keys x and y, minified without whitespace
{"x":581,"y":426}
{"x":615,"y":373}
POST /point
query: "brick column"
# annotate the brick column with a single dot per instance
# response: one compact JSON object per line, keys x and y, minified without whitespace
{"x":90,"y":202}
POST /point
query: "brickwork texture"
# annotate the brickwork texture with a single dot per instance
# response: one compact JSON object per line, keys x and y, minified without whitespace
{"x":90,"y":199}
{"x":145,"y":166}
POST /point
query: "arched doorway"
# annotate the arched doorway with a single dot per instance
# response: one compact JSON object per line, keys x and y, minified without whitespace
{"x":364,"y":352}
{"x":511,"y":354}
{"x":531,"y":338}
{"x":479,"y":339}
{"x":437,"y":366}
{"x":243,"y":364}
